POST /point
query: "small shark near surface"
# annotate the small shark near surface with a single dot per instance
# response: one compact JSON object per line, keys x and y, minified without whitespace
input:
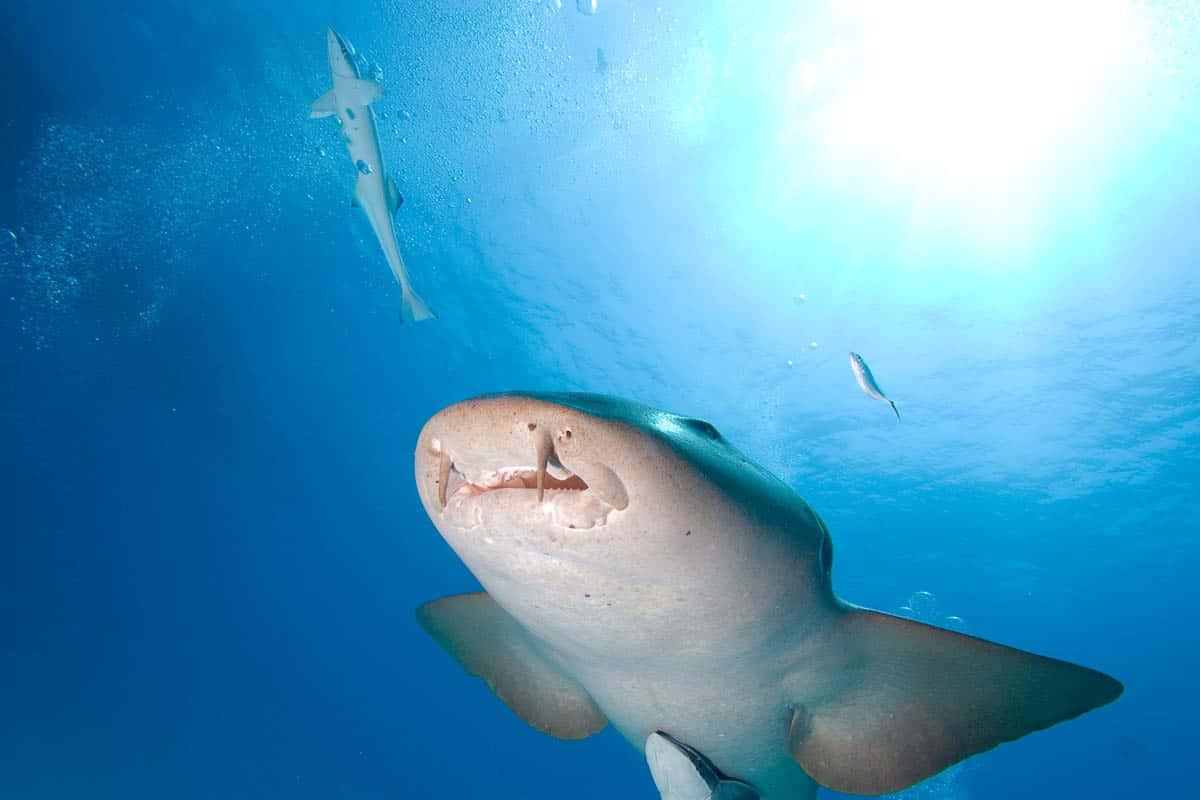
{"x":866,"y":381}
{"x":375,"y":192}
{"x":641,"y":571}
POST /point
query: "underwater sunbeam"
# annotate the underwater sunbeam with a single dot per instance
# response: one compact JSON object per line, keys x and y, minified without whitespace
{"x":975,"y":100}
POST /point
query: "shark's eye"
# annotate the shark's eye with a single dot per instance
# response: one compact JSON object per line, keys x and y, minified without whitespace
{"x":701,"y":427}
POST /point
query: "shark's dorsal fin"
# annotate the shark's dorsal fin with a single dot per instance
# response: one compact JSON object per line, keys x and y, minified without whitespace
{"x":489,"y":643}
{"x":394,"y":198}
{"x":361,"y":91}
{"x":913,"y":699}
{"x":324,"y":106}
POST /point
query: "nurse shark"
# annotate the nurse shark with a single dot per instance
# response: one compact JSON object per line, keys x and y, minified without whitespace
{"x":641,"y":571}
{"x":375,"y":192}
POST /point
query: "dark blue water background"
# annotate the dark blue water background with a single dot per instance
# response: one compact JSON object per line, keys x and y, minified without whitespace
{"x":210,"y":545}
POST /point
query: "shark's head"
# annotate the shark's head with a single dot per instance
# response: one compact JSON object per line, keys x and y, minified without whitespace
{"x":343,"y":60}
{"x":565,"y":503}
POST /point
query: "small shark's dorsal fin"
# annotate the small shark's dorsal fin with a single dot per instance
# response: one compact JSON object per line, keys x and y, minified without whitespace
{"x":361,"y":91}
{"x":324,"y":106}
{"x":915,"y":699}
{"x":394,"y":198}
{"x":489,"y":643}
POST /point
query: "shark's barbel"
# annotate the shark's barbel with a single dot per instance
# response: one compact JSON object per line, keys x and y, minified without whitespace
{"x":375,"y":192}
{"x":642,"y":571}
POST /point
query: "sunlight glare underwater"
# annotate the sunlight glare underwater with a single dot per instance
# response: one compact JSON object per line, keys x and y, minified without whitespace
{"x":972,"y":102}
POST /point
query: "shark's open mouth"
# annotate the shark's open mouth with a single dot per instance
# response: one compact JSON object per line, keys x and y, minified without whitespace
{"x":470,"y":496}
{"x":458,"y":485}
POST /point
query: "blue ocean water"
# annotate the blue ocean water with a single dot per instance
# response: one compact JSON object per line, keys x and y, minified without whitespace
{"x":211,"y":546}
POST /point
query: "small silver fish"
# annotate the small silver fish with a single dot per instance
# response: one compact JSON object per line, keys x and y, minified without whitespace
{"x":866,"y":381}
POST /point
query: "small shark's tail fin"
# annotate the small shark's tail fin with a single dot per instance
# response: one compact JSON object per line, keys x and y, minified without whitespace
{"x":892,"y":403}
{"x":414,"y":309}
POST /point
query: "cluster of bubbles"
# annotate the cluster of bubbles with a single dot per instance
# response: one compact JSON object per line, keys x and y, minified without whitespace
{"x":105,"y":212}
{"x":588,"y":7}
{"x":110,"y":217}
{"x":368,"y":69}
{"x":923,"y":607}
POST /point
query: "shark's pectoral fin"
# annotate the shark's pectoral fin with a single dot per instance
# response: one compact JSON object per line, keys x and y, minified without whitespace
{"x":492,"y":645}
{"x":362,"y":91}
{"x":394,"y":198}
{"x":913,"y":700}
{"x":324,"y":106}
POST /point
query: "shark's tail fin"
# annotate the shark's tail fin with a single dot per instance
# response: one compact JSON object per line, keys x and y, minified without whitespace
{"x":893,"y":405}
{"x":414,"y":309}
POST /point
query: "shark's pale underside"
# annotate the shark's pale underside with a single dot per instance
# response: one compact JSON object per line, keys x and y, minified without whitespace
{"x":349,"y":101}
{"x":641,"y":571}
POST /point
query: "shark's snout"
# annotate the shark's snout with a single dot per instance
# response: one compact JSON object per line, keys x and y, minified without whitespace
{"x":514,"y":457}
{"x":339,"y":43}
{"x":341,"y":55}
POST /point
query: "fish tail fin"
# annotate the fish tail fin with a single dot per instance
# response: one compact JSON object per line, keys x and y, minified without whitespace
{"x":892,"y":403}
{"x":414,"y":309}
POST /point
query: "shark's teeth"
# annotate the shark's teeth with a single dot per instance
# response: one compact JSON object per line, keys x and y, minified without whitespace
{"x":482,"y":481}
{"x":566,"y":500}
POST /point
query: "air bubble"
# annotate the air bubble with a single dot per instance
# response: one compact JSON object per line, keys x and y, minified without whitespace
{"x":923,"y":607}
